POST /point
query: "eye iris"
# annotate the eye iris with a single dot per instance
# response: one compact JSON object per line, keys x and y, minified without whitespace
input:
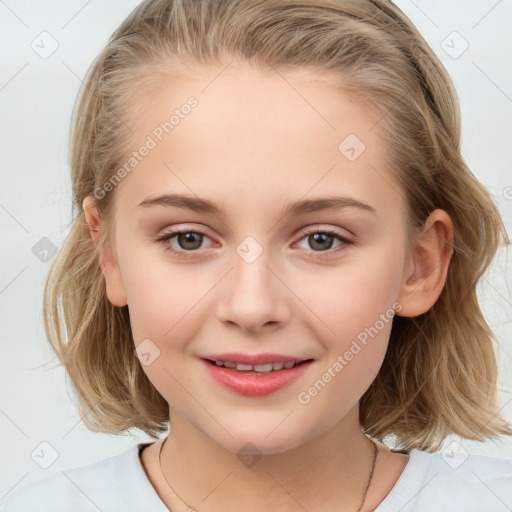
{"x":318,"y":241}
{"x":315,"y":238}
{"x":190,"y":237}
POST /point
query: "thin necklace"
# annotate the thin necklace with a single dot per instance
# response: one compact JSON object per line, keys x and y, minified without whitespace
{"x":368,"y":480}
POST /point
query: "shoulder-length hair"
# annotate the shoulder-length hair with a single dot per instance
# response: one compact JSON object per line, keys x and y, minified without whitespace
{"x":439,"y":375}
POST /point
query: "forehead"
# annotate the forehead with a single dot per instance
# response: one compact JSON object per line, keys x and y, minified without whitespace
{"x":260,"y":135}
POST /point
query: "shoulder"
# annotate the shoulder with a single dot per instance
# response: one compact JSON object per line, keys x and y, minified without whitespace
{"x":85,"y":488}
{"x":451,"y":481}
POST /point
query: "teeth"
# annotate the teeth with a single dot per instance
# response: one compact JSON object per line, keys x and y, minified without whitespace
{"x":263,"y":367}
{"x":260,"y":368}
{"x":243,"y":367}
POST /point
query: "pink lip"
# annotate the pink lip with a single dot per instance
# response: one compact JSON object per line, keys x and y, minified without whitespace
{"x":254,"y":383}
{"x":233,"y":357}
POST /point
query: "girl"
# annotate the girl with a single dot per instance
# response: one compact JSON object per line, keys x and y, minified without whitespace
{"x":217,"y":145}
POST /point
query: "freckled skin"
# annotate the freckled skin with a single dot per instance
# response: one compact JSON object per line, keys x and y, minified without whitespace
{"x":253,"y":144}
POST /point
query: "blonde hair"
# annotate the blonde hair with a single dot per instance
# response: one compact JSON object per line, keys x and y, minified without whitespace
{"x":439,"y":375}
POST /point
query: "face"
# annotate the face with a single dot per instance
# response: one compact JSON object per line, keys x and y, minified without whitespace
{"x":255,"y":277}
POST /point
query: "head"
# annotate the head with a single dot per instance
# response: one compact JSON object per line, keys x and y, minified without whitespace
{"x":275,"y":103}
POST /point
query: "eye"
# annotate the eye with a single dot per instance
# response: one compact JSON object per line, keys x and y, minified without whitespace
{"x":188,"y":241}
{"x":321,"y":240}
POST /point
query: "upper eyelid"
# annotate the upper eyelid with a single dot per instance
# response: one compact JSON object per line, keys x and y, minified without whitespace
{"x":333,"y":231}
{"x":320,"y":227}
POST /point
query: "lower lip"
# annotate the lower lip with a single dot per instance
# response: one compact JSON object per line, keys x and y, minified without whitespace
{"x":253,"y":383}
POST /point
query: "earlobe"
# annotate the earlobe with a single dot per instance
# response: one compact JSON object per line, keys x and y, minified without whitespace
{"x":427,"y":268}
{"x":115,"y":290}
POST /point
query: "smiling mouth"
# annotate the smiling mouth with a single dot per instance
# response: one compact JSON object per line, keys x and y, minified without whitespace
{"x":258,"y":368}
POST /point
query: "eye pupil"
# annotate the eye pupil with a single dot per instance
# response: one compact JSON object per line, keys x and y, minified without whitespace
{"x":190,"y":237}
{"x":318,"y":238}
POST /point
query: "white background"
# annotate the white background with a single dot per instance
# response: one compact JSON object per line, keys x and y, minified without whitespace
{"x":36,"y":100}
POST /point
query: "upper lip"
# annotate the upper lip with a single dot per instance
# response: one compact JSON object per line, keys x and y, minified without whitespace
{"x":254,"y":359}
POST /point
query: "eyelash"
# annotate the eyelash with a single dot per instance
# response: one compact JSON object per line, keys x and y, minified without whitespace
{"x":188,"y":254}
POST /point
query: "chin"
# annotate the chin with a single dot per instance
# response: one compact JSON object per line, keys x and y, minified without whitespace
{"x":262,"y":441}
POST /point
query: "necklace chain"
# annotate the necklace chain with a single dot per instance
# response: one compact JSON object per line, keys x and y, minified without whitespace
{"x":367,"y":485}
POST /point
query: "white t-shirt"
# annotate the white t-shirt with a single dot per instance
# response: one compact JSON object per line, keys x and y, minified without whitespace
{"x":430,"y":482}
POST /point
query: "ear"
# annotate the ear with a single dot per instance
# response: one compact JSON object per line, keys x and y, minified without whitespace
{"x":427,"y":266}
{"x":108,"y":263}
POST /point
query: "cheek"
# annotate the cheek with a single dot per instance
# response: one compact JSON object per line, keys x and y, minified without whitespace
{"x":353,"y":313}
{"x":356,"y":318}
{"x":161,"y":295}
{"x":163,"y":307}
{"x":353,"y":296}
{"x":163,"y":301}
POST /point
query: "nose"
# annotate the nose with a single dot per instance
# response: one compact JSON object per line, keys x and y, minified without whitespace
{"x":253,"y":297}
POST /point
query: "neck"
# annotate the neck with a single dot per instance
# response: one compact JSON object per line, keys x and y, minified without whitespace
{"x":335,"y":465}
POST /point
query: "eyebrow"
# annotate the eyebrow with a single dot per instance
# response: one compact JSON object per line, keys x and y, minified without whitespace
{"x":299,"y":208}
